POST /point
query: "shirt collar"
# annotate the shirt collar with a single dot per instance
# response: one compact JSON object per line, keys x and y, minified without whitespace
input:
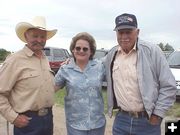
{"x":134,"y":48}
{"x":29,"y":52}
{"x":72,"y":63}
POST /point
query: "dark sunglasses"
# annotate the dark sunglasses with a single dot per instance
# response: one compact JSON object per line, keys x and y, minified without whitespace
{"x":78,"y":49}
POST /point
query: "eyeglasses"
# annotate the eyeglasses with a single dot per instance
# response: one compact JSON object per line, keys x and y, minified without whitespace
{"x":78,"y":49}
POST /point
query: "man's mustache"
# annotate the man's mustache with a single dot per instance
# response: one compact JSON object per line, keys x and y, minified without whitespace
{"x":37,"y":43}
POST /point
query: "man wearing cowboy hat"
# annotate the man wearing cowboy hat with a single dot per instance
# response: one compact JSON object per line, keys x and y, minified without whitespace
{"x":27,"y":86}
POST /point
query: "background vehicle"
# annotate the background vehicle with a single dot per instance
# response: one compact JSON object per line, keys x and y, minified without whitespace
{"x":174,"y":64}
{"x":100,"y":53}
{"x":167,"y":53}
{"x":56,"y":56}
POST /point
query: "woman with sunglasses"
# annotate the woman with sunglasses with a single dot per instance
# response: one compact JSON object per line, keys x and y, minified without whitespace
{"x":83,"y":77}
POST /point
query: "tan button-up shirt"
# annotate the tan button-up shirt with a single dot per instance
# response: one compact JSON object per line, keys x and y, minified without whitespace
{"x":125,"y":81}
{"x":26,"y":83}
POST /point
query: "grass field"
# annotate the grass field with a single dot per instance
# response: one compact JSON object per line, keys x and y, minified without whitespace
{"x":59,"y":99}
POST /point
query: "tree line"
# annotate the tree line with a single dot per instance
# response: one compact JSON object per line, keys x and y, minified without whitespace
{"x":164,"y":47}
{"x":3,"y":54}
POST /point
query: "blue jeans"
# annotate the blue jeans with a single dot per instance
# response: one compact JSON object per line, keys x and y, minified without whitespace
{"x":127,"y":125}
{"x":96,"y":131}
{"x":38,"y":125}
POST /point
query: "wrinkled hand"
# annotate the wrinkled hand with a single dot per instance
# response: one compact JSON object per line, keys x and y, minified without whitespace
{"x":154,"y":119}
{"x":65,"y":62}
{"x":21,"y":121}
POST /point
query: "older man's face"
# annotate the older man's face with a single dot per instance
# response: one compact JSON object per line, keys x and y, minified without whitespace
{"x":36,"y":39}
{"x":127,"y":38}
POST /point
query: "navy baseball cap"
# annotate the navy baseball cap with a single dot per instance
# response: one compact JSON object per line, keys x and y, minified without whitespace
{"x":125,"y":21}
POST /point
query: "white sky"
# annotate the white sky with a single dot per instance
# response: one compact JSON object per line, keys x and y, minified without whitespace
{"x":158,"y":20}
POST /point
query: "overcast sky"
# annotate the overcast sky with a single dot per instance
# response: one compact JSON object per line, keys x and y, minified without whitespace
{"x":158,"y":20}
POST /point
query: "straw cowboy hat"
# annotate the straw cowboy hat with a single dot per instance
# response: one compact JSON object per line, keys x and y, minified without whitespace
{"x":38,"y":22}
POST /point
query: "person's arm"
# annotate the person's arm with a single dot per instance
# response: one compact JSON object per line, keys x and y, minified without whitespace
{"x":8,"y":77}
{"x":59,"y":80}
{"x":166,"y":83}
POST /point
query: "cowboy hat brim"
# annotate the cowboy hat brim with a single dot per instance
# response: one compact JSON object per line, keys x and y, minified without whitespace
{"x":22,"y":27}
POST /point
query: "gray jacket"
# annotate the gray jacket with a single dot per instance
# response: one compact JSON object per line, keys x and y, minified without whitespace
{"x":156,"y":82}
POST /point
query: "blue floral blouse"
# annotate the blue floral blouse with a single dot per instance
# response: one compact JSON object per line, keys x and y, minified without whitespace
{"x":84,"y":105}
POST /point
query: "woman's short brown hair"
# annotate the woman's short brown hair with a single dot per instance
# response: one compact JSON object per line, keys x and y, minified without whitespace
{"x":85,"y":36}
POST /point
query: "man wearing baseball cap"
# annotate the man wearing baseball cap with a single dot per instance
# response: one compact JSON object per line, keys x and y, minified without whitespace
{"x":27,"y":86}
{"x":140,"y":83}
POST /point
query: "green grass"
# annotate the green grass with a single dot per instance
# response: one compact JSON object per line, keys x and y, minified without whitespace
{"x":175,"y":110}
{"x":104,"y":93}
{"x":59,"y":99}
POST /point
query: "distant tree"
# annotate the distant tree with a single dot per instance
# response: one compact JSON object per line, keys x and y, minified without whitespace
{"x":3,"y":54}
{"x":161,"y":46}
{"x":166,"y":47}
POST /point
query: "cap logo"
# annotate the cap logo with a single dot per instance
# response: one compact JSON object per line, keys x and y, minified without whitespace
{"x":124,"y":19}
{"x":130,"y":19}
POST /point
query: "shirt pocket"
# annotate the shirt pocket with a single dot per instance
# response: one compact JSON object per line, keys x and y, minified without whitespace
{"x":31,"y":79}
{"x":115,"y":71}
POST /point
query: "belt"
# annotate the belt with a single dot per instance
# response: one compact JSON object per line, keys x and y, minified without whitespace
{"x":134,"y":114}
{"x":40,"y":112}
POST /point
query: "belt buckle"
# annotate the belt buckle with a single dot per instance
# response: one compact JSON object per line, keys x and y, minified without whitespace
{"x":42,"y":112}
{"x":135,"y":114}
